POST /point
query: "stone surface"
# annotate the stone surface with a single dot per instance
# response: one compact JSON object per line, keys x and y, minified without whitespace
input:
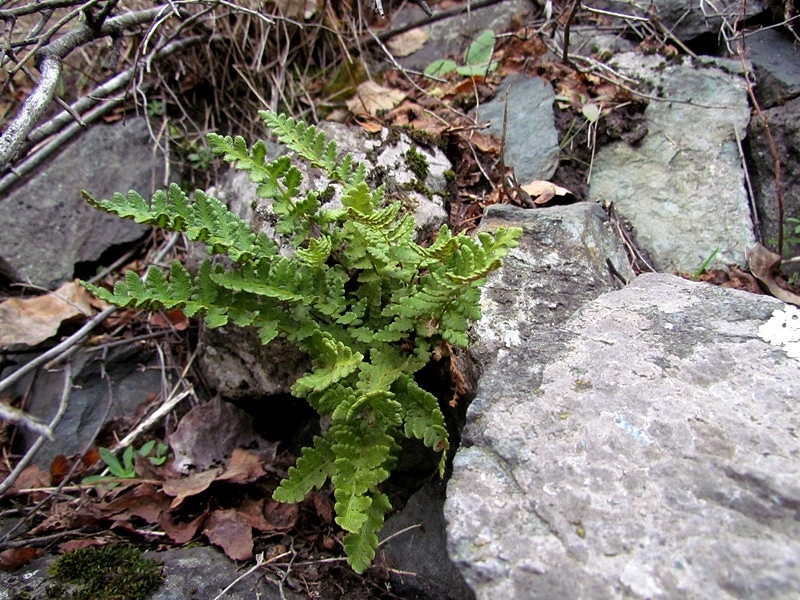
{"x":682,"y":187}
{"x":784,"y":125}
{"x":131,"y":379}
{"x":685,"y":20}
{"x":417,"y":559}
{"x":531,"y":137}
{"x":54,"y":228}
{"x":645,"y":448}
{"x":191,"y":573}
{"x":560,"y":264}
{"x":776,"y":60}
{"x":202,"y":572}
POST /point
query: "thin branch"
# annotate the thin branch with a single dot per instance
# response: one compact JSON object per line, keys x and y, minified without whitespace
{"x":50,"y":59}
{"x":62,"y":408}
{"x":58,"y":350}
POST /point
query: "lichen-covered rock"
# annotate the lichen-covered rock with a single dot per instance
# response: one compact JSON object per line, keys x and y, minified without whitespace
{"x":645,"y":448}
{"x":233,"y":359}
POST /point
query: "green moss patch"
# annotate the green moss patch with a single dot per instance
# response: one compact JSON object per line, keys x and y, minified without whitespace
{"x":115,"y":572}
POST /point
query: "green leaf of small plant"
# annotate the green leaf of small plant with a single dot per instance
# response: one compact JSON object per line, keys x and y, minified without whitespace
{"x":440,"y":67}
{"x":476,"y":70}
{"x":481,"y":49}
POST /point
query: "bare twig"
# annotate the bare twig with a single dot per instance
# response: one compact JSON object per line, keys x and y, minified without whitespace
{"x":58,"y":350}
{"x":31,"y":453}
{"x":50,"y":66}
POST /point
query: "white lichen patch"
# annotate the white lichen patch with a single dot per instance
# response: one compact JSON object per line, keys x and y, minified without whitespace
{"x":783,"y":329}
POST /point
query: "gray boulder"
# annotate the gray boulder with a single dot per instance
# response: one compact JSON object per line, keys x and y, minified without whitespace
{"x":685,"y":20}
{"x":50,"y":227}
{"x":644,"y":448}
{"x":683,"y":186}
{"x":776,"y":61}
{"x":784,"y":126}
{"x":531,"y":138}
{"x":561,"y":262}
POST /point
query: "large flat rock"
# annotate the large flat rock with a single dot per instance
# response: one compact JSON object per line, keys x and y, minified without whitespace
{"x":48,"y":227}
{"x":683,"y":186}
{"x":645,"y":448}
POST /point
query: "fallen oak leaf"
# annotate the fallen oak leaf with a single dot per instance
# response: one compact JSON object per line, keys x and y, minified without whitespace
{"x":30,"y":321}
{"x":178,"y":531}
{"x":763,"y":265}
{"x":144,"y":501}
{"x":243,"y":467}
{"x":268,"y":515}
{"x":408,"y":42}
{"x":14,"y":558}
{"x":72,"y":545}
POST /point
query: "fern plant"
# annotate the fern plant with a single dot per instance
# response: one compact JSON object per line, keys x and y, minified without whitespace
{"x":367,"y":303}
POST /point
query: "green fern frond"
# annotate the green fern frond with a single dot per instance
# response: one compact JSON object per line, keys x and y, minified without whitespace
{"x":317,"y":253}
{"x":306,"y":140}
{"x":361,"y":546}
{"x":362,"y":457}
{"x":350,"y":283}
{"x":311,"y":471}
{"x":335,"y":362}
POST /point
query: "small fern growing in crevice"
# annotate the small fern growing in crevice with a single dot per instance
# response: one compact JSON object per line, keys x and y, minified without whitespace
{"x":367,"y":303}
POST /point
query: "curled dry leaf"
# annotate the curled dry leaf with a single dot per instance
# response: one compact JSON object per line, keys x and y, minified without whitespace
{"x":181,"y":532}
{"x":372,"y":98}
{"x":14,"y":558}
{"x":30,"y":321}
{"x":763,"y":265}
{"x":243,"y":467}
{"x":543,"y":192}
{"x":268,"y":515}
{"x":192,"y":485}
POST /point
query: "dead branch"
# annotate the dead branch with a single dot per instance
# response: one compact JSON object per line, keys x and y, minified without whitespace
{"x":49,"y":60}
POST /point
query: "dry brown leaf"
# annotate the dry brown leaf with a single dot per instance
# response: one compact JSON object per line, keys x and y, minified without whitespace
{"x":59,"y":469}
{"x":543,"y":191}
{"x":485,"y":143}
{"x":144,"y":501}
{"x":174,"y":319}
{"x":230,"y":531}
{"x":189,"y":486}
{"x":323,"y":506}
{"x":763,"y":264}
{"x":14,"y":558}
{"x":370,"y":126}
{"x":72,"y":545}
{"x":179,"y":532}
{"x":281,"y":516}
{"x":243,"y":467}
{"x":207,"y":435}
{"x":32,"y":477}
{"x":297,"y":9}
{"x":372,"y":98}
{"x":30,"y":321}
{"x":408,"y":42}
